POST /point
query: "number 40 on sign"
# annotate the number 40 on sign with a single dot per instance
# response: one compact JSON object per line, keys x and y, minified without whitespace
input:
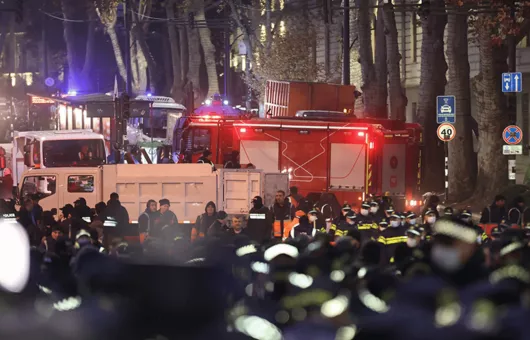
{"x":446,"y":132}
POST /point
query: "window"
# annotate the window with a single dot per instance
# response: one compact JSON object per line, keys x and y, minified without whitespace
{"x":79,"y":152}
{"x":201,"y":140}
{"x":42,"y":186}
{"x":81,"y":183}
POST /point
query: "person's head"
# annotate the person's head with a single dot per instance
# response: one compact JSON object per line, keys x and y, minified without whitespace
{"x":56,"y":232}
{"x":430,"y":216}
{"x":329,"y":222}
{"x":395,"y":221}
{"x":313,"y":216}
{"x":465,"y":216}
{"x":500,"y":200}
{"x":519,"y":202}
{"x":383,"y":224}
{"x":28,"y":204}
{"x":114,"y":196}
{"x":345,"y":209}
{"x":454,"y":244}
{"x":35,"y":198}
{"x":413,"y":237}
{"x":389,"y":212}
{"x":448,"y":211}
{"x":257,"y":202}
{"x":280,"y":196}
{"x":222,"y":217}
{"x":350,"y":217}
{"x":164,"y":205}
{"x":152,"y":206}
{"x":67,"y":210}
{"x":210,"y":208}
{"x":374,"y":207}
{"x":293,"y":191}
{"x":80,"y":202}
{"x":100,"y":207}
{"x":410,"y":218}
{"x":207,"y":154}
{"x":365,"y":208}
{"x":237,"y":223}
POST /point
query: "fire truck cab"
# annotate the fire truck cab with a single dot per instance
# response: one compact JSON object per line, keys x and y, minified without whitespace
{"x":347,"y":157}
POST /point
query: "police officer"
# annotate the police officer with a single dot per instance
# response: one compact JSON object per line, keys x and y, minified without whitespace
{"x":345,"y":209}
{"x":365,"y":223}
{"x":313,"y":219}
{"x":413,"y":237}
{"x":345,"y":226}
{"x":391,"y":237}
{"x":410,"y":219}
{"x":304,"y":227}
{"x":428,"y":223}
{"x":375,"y":212}
{"x":207,"y":159}
{"x":329,"y":228}
{"x":466,"y":217}
{"x":448,"y":212}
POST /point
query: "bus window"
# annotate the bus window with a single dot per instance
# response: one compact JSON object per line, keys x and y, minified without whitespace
{"x":88,"y":152}
{"x":42,"y":186}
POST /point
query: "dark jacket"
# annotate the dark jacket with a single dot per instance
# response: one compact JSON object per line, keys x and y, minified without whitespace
{"x":259,"y":225}
{"x":203,"y":222}
{"x":27,"y":218}
{"x":217,"y":230}
{"x":519,"y":215}
{"x":147,"y":220}
{"x":207,"y":161}
{"x":164,"y":224}
{"x":116,"y":210}
{"x":493,"y":214}
{"x":82,"y":211}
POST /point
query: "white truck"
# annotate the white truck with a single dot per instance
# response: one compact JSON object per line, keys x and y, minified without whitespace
{"x":187,"y":186}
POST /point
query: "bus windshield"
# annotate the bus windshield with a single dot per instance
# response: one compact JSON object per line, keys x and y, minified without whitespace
{"x":77,"y":152}
{"x":156,"y":126}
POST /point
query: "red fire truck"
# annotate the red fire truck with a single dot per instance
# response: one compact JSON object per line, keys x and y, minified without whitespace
{"x":347,"y":157}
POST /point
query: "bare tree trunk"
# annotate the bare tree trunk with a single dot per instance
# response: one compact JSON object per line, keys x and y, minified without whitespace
{"x":139,"y":36}
{"x":195,"y":65}
{"x":462,"y":158}
{"x":432,"y":84}
{"x":374,"y":97}
{"x":111,"y":31}
{"x":398,"y":100}
{"x":491,"y":176}
{"x":184,"y":54}
{"x":176,"y":88}
{"x":381,"y":70}
{"x":90,"y":52}
{"x":209,"y":54}
{"x":168,"y":70}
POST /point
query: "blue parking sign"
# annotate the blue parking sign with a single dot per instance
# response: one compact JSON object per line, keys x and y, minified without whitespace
{"x":445,"y":109}
{"x":512,"y":82}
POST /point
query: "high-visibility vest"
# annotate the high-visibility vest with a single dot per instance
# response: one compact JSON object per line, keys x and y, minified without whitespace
{"x":313,"y":233}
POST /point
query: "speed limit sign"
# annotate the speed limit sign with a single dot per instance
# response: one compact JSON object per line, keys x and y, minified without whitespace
{"x":446,"y":132}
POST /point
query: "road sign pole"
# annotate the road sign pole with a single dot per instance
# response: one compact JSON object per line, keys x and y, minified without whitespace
{"x":446,"y":154}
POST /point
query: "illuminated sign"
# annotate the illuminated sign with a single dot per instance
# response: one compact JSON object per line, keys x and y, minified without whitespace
{"x":41,"y":100}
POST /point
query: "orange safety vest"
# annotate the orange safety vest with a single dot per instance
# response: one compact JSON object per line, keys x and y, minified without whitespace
{"x":289,"y":226}
{"x":195,"y":234}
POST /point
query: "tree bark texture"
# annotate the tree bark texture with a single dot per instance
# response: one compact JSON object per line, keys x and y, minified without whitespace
{"x":462,"y":158}
{"x":398,"y":100}
{"x":381,"y":70}
{"x":209,"y":54}
{"x":432,"y":84}
{"x":492,"y":166}
{"x":194,"y":49}
{"x":374,"y":94}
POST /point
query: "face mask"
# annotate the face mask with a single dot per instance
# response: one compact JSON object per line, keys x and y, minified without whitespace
{"x":344,"y":212}
{"x":351,"y":222}
{"x":479,"y":239}
{"x":373,"y":210}
{"x":364,"y":212}
{"x":431,"y":219}
{"x":412,"y":242}
{"x":328,"y":224}
{"x":312,"y":218}
{"x":466,"y":220}
{"x":395,"y":224}
{"x":402,"y":222}
{"x":446,"y":258}
{"x":413,"y":221}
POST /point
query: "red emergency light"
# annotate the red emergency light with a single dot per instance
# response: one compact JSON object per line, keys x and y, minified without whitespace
{"x":208,"y":117}
{"x":2,"y":158}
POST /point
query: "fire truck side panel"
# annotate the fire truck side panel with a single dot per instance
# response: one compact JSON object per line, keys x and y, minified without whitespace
{"x":394,"y":169}
{"x":263,"y":154}
{"x":347,"y":166}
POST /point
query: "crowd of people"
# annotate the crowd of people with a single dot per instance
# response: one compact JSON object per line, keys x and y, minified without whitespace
{"x":290,"y":271}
